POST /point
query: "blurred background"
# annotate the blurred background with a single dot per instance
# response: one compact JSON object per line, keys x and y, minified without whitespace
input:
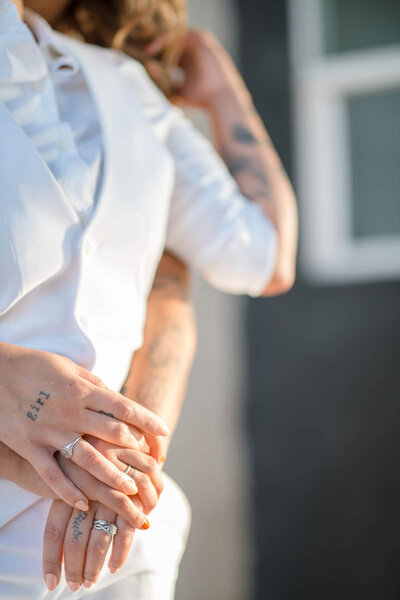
{"x":289,"y":445}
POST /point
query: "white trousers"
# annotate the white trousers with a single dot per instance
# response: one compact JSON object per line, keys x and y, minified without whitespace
{"x":150,"y":572}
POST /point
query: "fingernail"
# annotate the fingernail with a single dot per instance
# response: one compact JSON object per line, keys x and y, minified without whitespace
{"x":163,"y":429}
{"x":87,"y":583}
{"x":73,"y":585}
{"x":145,"y":525}
{"x":162,"y":459}
{"x":129,"y":487}
{"x":51,"y":581}
{"x":113,"y":569}
{"x":82,"y":505}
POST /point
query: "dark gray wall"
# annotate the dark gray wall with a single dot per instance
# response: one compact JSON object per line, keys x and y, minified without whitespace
{"x":322,"y":409}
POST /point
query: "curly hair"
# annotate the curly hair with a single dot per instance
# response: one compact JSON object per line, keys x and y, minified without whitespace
{"x":129,"y":24}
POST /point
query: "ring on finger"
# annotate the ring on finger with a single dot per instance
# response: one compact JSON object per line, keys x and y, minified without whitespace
{"x":68,"y":449}
{"x":106,"y":526}
{"x":127,"y":469}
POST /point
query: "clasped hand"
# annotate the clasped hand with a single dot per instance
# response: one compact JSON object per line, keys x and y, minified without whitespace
{"x":69,"y":533}
{"x":48,"y":401}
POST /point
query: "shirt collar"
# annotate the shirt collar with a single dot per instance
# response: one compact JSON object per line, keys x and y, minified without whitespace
{"x":59,"y":60}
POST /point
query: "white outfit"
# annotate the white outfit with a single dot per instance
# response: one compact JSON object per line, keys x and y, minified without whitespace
{"x":98,"y":174}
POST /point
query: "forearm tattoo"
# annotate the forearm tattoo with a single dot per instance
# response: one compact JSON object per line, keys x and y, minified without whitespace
{"x":171,"y":286}
{"x":166,"y":361}
{"x":245,"y":163}
{"x":34,"y":411}
{"x":76,"y":523}
{"x":167,"y":352}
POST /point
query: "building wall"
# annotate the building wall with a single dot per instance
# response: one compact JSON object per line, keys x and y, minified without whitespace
{"x":322,"y":398}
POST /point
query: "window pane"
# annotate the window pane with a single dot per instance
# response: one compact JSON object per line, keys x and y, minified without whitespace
{"x":356,"y":24}
{"x":374,"y":122}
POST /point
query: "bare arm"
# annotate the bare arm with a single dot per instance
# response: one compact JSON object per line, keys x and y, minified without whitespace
{"x":247,"y":150}
{"x":159,"y":370}
{"x":213,"y":83}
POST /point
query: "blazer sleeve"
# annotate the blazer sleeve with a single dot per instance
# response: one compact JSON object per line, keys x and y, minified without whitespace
{"x":212,"y":226}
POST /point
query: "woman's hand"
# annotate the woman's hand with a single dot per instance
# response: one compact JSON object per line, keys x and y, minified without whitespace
{"x":48,"y":401}
{"x":145,"y":471}
{"x":69,"y":532}
{"x":207,"y":67}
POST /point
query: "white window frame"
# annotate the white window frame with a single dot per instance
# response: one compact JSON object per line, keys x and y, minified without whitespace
{"x":321,"y":86}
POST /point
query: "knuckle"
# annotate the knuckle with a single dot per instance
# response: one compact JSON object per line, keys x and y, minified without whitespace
{"x":51,"y":476}
{"x":76,"y":389}
{"x":143,"y":480}
{"x":71,"y":543}
{"x":125,"y":539}
{"x":97,"y":547}
{"x":150,"y":465}
{"x":52,"y":534}
{"x":125,"y":410}
{"x":51,"y":566}
{"x":120,"y":432}
{"x":117,"y":481}
{"x":90,"y":459}
{"x":148,"y":421}
{"x":123,"y":504}
{"x":72,"y":575}
{"x":97,"y":381}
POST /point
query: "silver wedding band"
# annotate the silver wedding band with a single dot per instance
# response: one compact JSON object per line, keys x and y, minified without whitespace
{"x":128,"y":468}
{"x":67,"y":450}
{"x":109,"y":528}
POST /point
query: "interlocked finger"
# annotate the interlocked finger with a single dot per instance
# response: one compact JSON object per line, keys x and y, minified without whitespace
{"x":122,"y":543}
{"x":97,"y":465}
{"x":146,"y":490}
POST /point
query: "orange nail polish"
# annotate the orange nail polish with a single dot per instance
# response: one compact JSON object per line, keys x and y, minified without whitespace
{"x":145,"y":525}
{"x":162,"y":459}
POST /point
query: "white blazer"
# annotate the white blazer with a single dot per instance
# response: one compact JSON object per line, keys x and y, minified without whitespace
{"x":80,"y":289}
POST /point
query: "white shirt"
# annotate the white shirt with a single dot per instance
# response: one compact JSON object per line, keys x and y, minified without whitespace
{"x":79,"y":244}
{"x":42,"y":90}
{"x":94,"y":313}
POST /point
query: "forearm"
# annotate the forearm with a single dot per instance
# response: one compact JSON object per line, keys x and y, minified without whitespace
{"x":247,"y":150}
{"x":159,"y":371}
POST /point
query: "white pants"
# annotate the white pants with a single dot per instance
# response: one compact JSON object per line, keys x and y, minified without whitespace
{"x":149,"y":573}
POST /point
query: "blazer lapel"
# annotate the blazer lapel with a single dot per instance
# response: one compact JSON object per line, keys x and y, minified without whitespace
{"x":34,"y":215}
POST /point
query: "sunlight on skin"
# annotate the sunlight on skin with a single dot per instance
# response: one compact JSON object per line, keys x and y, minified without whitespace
{"x":20,"y":6}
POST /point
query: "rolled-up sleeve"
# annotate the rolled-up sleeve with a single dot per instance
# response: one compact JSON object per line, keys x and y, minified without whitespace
{"x":212,"y":226}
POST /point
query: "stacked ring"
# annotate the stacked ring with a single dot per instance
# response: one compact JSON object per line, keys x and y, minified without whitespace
{"x":109,"y":528}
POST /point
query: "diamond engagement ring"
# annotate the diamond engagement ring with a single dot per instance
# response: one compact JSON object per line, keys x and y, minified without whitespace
{"x":109,"y":528}
{"x":69,"y":448}
{"x":128,"y":468}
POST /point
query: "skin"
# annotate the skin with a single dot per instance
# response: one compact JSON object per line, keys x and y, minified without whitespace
{"x":212,"y":83}
{"x":157,"y":379}
{"x":157,"y":384}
